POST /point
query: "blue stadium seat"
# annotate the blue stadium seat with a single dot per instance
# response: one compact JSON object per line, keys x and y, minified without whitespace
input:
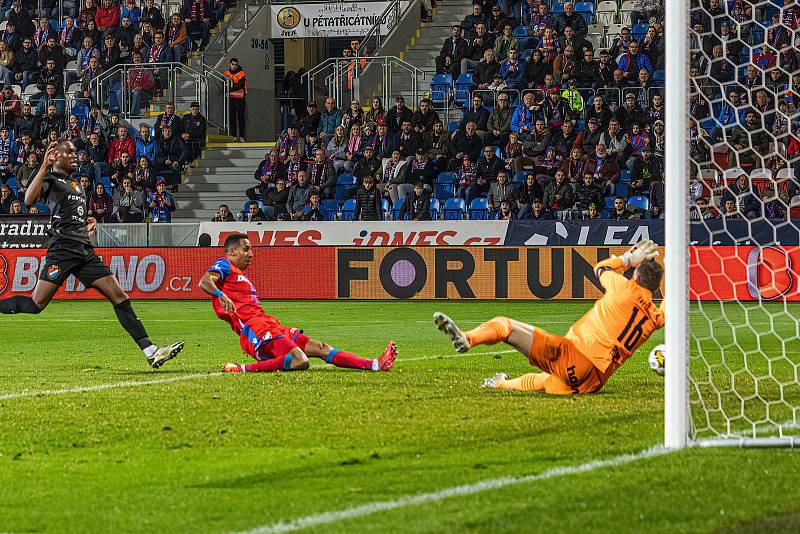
{"x":349,"y":209}
{"x":454,"y":209}
{"x":12,"y":184}
{"x":387,"y":209}
{"x":639,"y":202}
{"x":464,"y":85}
{"x":452,"y":126}
{"x":521,"y":33}
{"x":585,"y":10}
{"x":106,"y":181}
{"x":42,"y":207}
{"x":621,"y":189}
{"x":625,"y":175}
{"x":396,"y":209}
{"x":526,"y":54}
{"x":330,"y":207}
{"x":435,"y":209}
{"x":440,"y":88}
{"x":556,"y":8}
{"x":638,"y":31}
{"x":479,"y":209}
{"x":519,"y":177}
{"x":344,"y":182}
{"x":659,"y":76}
{"x":610,"y":203}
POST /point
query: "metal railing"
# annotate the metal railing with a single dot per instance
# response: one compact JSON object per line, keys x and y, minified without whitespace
{"x":147,"y":235}
{"x":176,"y":82}
{"x":229,"y":31}
{"x":342,"y":78}
{"x":372,"y":41}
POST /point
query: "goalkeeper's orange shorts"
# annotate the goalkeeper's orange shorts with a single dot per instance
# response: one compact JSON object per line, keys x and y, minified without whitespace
{"x":571,"y":373}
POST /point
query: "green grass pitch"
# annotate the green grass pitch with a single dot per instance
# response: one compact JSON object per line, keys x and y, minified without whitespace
{"x":230,"y":453}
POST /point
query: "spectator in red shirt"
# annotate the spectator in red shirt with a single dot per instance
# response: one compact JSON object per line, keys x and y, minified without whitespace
{"x":140,"y":84}
{"x":107,"y":16}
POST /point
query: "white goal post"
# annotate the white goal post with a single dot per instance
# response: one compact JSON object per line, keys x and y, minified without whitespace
{"x":732,"y":366}
{"x":676,"y":222}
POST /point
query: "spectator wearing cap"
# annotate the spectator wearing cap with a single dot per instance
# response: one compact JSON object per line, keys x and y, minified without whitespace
{"x":599,"y":111}
{"x":539,"y":211}
{"x":85,"y":167}
{"x":658,"y":138}
{"x":477,"y":114}
{"x":646,"y":168}
{"x":589,"y":137}
{"x":591,"y":212}
{"x":471,"y":21}
{"x":290,"y":140}
{"x":621,"y":42}
{"x":18,"y":17}
{"x":193,"y":131}
{"x":420,"y":170}
{"x":309,"y":124}
{"x":237,"y":98}
{"x":397,"y":115}
{"x":454,"y":49}
{"x":275,"y":201}
{"x":417,"y":204}
{"x":171,"y":155}
{"x":168,"y":118}
{"x":161,"y":204}
{"x":152,"y":14}
{"x":629,"y":113}
{"x":556,"y":110}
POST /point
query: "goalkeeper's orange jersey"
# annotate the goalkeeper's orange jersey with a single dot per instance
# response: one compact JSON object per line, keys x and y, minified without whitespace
{"x":621,"y":321}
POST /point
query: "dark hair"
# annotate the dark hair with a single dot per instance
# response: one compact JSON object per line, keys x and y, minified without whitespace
{"x":649,"y":274}
{"x":233,"y":240}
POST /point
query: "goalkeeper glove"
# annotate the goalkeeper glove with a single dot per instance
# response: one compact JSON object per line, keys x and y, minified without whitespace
{"x":640,"y":252}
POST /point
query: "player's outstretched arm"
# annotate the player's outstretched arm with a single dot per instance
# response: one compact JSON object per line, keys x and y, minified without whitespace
{"x":34,"y":191}
{"x":209,"y":285}
{"x":638,"y":253}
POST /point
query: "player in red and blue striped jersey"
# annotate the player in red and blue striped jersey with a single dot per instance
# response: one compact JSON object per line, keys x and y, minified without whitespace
{"x":274,"y":346}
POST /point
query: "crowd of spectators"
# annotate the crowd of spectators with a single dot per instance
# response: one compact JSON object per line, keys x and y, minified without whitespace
{"x":554,"y":114}
{"x":47,"y":66}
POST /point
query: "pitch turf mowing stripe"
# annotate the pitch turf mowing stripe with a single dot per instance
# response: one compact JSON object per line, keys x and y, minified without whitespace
{"x":101,"y":387}
{"x":455,"y":491}
{"x":137,"y":383}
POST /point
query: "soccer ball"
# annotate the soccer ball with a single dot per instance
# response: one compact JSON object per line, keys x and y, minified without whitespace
{"x":657,"y":359}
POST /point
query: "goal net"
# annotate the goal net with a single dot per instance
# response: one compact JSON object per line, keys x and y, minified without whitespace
{"x":743,"y":344}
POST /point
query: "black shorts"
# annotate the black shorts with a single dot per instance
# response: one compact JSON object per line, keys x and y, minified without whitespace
{"x":70,"y":257}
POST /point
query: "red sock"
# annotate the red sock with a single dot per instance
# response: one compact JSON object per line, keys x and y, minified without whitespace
{"x":273,"y":364}
{"x":340,"y":358}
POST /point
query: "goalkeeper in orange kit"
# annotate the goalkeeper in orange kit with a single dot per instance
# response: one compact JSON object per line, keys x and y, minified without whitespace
{"x":583,"y":360}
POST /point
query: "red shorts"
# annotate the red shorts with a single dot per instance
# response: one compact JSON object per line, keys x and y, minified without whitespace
{"x":264,"y":339}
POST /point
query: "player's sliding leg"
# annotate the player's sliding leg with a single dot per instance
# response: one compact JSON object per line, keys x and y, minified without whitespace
{"x":295,"y":360}
{"x":42,"y":294}
{"x":340,"y":358}
{"x":500,"y":329}
{"x":526,"y":382}
{"x":109,"y":287}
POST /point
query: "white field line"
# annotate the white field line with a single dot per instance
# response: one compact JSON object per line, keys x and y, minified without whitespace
{"x":166,"y":380}
{"x":447,"y":493}
{"x":101,"y":387}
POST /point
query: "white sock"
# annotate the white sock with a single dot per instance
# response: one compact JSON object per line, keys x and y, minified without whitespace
{"x":375,"y":365}
{"x":149,"y":351}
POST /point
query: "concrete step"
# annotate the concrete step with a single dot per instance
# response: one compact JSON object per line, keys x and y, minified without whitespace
{"x":235,"y":153}
{"x":206,"y":188}
{"x":219,"y":179}
{"x":211,"y":205}
{"x":201,"y":170}
{"x":231,"y":162}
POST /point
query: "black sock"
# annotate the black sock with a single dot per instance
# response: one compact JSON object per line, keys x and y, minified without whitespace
{"x":18,"y":304}
{"x":132,"y":324}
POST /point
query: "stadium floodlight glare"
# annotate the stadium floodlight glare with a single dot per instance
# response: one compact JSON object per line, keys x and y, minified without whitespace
{"x":733,"y":356}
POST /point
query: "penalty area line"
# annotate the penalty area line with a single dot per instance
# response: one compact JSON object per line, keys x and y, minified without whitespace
{"x":101,"y":387}
{"x":455,"y":491}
